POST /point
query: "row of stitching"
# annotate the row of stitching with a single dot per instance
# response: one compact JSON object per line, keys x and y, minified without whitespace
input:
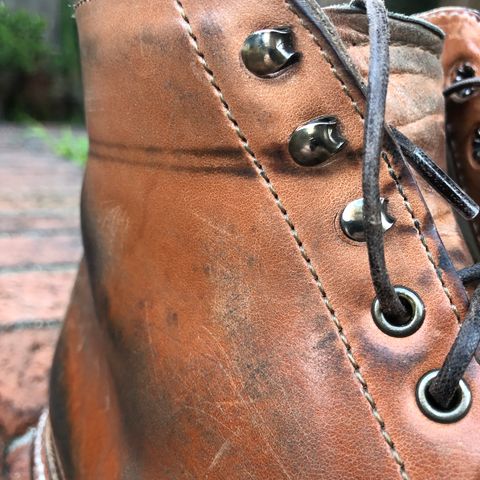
{"x":400,"y":189}
{"x":423,"y":240}
{"x":262,"y":173}
{"x":80,"y":3}
{"x":365,"y":390}
{"x":327,"y":59}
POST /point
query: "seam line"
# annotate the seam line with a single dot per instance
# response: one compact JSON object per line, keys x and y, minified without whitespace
{"x":421,"y":235}
{"x":401,"y":191}
{"x":388,"y":439}
{"x":262,"y":173}
{"x":80,"y":3}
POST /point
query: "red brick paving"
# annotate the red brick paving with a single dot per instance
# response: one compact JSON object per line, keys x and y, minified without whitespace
{"x":25,"y":357}
{"x":39,"y":249}
{"x":17,"y":460}
{"x":39,"y":221}
{"x":25,"y":250}
{"x":34,"y":296}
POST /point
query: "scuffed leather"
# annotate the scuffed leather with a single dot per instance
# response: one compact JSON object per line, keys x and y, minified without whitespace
{"x":415,"y":103}
{"x":200,"y":342}
{"x":462,"y":45}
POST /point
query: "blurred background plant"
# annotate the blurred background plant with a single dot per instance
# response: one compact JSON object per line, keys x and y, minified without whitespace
{"x":23,"y":52}
{"x":39,"y":62}
{"x":40,"y":78}
{"x":65,"y":142}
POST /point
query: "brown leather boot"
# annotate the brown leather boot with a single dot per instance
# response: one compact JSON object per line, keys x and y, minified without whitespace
{"x":248,"y":307}
{"x":461,"y":62}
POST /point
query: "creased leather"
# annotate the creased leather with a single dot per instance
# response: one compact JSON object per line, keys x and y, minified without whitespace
{"x":415,"y":103}
{"x":200,"y":342}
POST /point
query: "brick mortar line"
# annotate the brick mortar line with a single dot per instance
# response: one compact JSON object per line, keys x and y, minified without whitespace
{"x":34,"y":268}
{"x":35,"y":324}
{"x":64,"y":212}
{"x":41,"y":232}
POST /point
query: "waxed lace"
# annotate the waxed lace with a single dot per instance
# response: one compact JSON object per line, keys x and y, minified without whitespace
{"x":466,"y":88}
{"x":462,"y":91}
{"x":445,"y":385}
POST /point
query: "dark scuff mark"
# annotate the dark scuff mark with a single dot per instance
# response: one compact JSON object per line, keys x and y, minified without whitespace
{"x":172,"y":319}
{"x":244,"y":172}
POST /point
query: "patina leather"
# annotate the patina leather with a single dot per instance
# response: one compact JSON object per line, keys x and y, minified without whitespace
{"x":220,"y":326}
{"x":415,"y":104}
{"x":462,"y":46}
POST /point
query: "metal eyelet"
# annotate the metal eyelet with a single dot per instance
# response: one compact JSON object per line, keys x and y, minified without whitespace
{"x":417,"y":314}
{"x":316,"y":141}
{"x":268,"y":52}
{"x":461,"y":403}
{"x":461,"y":72}
{"x":351,"y":219}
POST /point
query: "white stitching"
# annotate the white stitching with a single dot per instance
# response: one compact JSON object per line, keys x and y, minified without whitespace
{"x":261,"y":171}
{"x":394,"y":176}
{"x":396,"y":455}
{"x":80,"y":3}
{"x":418,"y":228}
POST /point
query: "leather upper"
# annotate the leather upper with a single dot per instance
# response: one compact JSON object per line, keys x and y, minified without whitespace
{"x":415,"y":103}
{"x":222,"y":326}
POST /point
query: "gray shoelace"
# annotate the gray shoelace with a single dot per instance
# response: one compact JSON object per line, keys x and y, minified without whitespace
{"x":468,"y":84}
{"x":443,"y":388}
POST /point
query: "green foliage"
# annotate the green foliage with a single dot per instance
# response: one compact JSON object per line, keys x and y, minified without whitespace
{"x":72,"y":147}
{"x":66,"y":144}
{"x":23,"y":47}
{"x":69,"y":56}
{"x":39,"y":78}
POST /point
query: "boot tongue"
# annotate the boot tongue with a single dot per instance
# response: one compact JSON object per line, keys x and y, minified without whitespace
{"x":415,"y":102}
